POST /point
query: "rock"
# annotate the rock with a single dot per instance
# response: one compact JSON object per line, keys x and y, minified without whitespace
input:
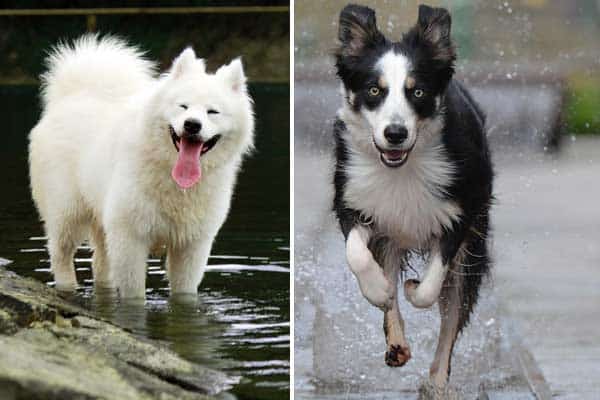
{"x":53,"y":349}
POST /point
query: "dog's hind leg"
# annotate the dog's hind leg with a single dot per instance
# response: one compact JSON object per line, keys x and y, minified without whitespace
{"x":103,"y":274}
{"x":64,"y":235}
{"x":450,"y":304}
{"x":457,"y":299}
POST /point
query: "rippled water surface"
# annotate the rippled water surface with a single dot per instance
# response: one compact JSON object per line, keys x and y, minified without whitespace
{"x":240,"y":323}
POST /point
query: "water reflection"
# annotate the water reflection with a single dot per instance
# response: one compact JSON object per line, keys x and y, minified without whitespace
{"x":238,"y":322}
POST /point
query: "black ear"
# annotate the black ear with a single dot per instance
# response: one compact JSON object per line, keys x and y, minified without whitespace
{"x":357,"y":30}
{"x":434,"y":23}
{"x":434,"y":27}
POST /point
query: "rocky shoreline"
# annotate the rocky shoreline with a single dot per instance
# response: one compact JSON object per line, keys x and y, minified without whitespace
{"x":52,"y":349}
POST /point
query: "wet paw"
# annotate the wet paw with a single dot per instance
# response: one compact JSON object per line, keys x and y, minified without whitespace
{"x":397,"y":356}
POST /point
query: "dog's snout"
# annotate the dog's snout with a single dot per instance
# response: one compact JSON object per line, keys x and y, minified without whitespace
{"x":192,"y":126}
{"x":395,"y":133}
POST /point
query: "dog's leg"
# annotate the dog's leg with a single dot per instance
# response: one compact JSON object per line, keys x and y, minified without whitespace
{"x":103,"y":274}
{"x":458,"y":298}
{"x":374,"y":285}
{"x":186,"y":266}
{"x":398,"y":351}
{"x":450,"y":304}
{"x":62,"y":244}
{"x":423,"y":294}
{"x":127,"y":255}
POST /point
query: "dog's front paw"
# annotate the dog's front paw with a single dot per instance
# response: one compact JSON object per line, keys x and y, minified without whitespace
{"x":419,"y":300}
{"x":376,"y":288}
{"x":430,"y":391}
{"x":396,"y":355}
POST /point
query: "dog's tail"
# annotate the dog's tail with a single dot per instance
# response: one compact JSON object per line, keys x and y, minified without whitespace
{"x":106,"y":67}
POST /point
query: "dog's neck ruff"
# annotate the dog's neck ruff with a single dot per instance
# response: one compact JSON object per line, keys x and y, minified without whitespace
{"x":408,"y":203}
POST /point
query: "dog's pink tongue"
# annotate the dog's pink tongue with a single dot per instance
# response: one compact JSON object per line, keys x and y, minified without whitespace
{"x":186,"y":171}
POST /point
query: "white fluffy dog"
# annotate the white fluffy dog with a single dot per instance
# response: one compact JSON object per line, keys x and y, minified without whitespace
{"x":135,"y":162}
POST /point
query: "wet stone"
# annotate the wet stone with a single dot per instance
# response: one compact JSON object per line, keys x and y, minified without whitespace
{"x":52,"y":349}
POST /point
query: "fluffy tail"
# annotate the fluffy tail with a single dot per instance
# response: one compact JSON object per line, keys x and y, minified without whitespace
{"x":106,"y":67}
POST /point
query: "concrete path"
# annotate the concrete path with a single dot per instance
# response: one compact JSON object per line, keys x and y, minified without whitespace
{"x":547,"y":245}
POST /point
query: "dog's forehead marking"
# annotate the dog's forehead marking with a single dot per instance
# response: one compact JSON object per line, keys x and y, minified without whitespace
{"x":394,"y":69}
{"x":382,"y":82}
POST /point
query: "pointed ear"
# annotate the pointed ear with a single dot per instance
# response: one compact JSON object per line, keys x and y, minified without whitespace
{"x":233,"y":74}
{"x":185,"y":61}
{"x":357,"y":30}
{"x":433,"y":26}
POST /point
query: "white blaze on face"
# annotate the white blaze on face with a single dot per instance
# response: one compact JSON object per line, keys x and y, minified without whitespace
{"x":395,"y":108}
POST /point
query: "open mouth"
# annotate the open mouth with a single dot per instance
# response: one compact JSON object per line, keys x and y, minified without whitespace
{"x":187,"y":170}
{"x":206,"y":146}
{"x":392,"y":158}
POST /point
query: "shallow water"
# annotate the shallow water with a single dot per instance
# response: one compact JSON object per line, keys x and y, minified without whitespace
{"x":240,"y":320}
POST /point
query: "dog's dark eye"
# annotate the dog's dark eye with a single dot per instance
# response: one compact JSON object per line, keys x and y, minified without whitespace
{"x":184,"y":106}
{"x":212,"y":112}
{"x":418,"y":93}
{"x":374,"y":91}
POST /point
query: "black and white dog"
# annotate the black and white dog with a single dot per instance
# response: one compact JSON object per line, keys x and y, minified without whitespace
{"x":413,"y":174}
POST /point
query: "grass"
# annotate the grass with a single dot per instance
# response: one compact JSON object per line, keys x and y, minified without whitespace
{"x":582,"y":107}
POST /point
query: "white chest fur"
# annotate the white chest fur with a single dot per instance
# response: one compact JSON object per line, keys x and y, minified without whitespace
{"x":407,"y":202}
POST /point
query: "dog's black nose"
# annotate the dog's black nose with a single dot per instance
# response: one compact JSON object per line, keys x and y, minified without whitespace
{"x":192,"y":126}
{"x":395,"y":133}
